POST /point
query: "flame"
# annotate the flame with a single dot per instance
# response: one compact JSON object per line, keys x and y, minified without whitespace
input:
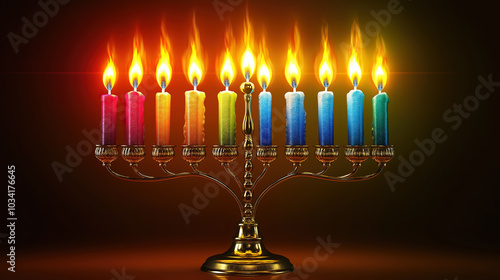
{"x":193,"y":62}
{"x":164,"y":67}
{"x":265,"y":72}
{"x":354,"y":60}
{"x":292,"y":69}
{"x":109,"y":75}
{"x":248,"y":59}
{"x":227,"y":69}
{"x":135,"y":73}
{"x":325,"y":62}
{"x":380,"y":69}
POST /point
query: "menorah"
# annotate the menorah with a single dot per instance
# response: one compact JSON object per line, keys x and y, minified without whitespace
{"x":247,"y":254}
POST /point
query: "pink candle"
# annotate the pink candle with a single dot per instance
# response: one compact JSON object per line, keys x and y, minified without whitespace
{"x":108,"y":119}
{"x":134,"y":101}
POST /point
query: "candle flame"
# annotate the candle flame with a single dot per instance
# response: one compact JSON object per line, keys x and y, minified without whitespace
{"x":325,"y":61}
{"x":109,"y":75}
{"x":380,"y":68}
{"x":227,"y":69}
{"x":164,"y":67}
{"x":193,"y":62}
{"x":136,"y":69}
{"x":248,"y":59}
{"x":354,"y":60}
{"x":265,"y":71}
{"x":292,"y":69}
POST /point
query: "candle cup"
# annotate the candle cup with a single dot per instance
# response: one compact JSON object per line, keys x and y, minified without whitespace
{"x":296,"y":153}
{"x":225,"y":154}
{"x":327,"y":154}
{"x":382,"y":153}
{"x":193,"y":154}
{"x":133,"y":154}
{"x":357,"y":153}
{"x":267,"y":154}
{"x":106,"y":154}
{"x":163,"y":153}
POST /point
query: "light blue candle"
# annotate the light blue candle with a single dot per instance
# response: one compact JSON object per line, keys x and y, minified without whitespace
{"x":265,"y":119}
{"x":295,"y":118}
{"x":325,"y":117}
{"x":355,"y":125}
{"x":380,"y":125}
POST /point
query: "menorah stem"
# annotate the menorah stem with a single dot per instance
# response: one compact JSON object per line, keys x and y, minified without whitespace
{"x":248,"y":129}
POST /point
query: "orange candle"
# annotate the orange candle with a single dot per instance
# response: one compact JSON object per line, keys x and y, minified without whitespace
{"x":194,"y":132}
{"x":163,"y":118}
{"x":163,"y":75}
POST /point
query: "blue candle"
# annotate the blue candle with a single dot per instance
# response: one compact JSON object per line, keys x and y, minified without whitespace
{"x":325,"y":117}
{"x":355,"y":124}
{"x":265,"y":119}
{"x":295,"y":118}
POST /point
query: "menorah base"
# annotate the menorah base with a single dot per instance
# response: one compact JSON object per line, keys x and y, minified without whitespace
{"x":247,"y":256}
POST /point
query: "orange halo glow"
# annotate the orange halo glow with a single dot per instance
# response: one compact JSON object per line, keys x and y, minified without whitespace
{"x":292,"y":68}
{"x":265,"y":67}
{"x":354,"y":67}
{"x":164,"y":67}
{"x":248,"y":58}
{"x":325,"y":61}
{"x":193,"y":62}
{"x":136,"y":69}
{"x":380,"y":68}
{"x":109,"y":75}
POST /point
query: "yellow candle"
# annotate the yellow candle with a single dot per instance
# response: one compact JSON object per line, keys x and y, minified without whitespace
{"x":163,"y":118}
{"x":194,"y":132}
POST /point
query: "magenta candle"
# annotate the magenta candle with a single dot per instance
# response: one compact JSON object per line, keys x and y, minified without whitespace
{"x":134,"y":101}
{"x":108,"y":119}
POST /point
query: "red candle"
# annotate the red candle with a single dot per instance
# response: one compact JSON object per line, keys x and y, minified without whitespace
{"x":134,"y":101}
{"x":108,"y":105}
{"x":108,"y":119}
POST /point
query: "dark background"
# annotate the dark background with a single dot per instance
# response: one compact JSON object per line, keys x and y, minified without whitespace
{"x":448,"y":206}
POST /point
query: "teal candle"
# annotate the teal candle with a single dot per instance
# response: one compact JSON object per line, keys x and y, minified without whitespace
{"x":355,"y":123}
{"x":380,"y":125}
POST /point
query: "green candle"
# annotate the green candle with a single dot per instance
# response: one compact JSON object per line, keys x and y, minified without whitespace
{"x":380,"y":126}
{"x":227,"y":117}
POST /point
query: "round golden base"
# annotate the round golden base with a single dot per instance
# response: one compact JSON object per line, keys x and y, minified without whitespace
{"x":230,"y":264}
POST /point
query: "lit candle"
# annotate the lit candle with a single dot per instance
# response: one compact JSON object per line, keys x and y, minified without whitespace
{"x":295,"y":113}
{"x":163,"y":99}
{"x":326,"y":75}
{"x":355,"y":98}
{"x":108,"y":105}
{"x":380,"y":125}
{"x":265,"y":97}
{"x":227,"y":104}
{"x":134,"y":100}
{"x":194,"y":117}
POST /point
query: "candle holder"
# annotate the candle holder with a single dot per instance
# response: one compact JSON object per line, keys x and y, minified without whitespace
{"x":247,"y":255}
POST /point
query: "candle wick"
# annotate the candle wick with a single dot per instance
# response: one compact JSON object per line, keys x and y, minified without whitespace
{"x":294,"y":85}
{"x":135,"y":84}
{"x":109,"y":91}
{"x":162,"y":89}
{"x":326,"y":84}
{"x":163,"y":85}
{"x":264,"y":86}
{"x":109,"y":87}
{"x":247,"y":76}
{"x":227,"y":88}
